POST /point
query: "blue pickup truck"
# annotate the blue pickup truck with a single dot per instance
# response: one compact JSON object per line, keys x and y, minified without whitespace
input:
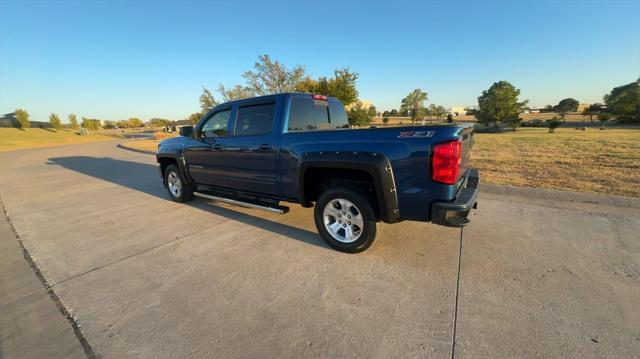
{"x":298,"y":148}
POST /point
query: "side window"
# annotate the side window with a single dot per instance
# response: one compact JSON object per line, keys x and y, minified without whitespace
{"x":216,"y":125}
{"x":254,"y":120}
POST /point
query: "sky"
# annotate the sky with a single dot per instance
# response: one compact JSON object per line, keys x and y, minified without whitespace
{"x":120,"y":59}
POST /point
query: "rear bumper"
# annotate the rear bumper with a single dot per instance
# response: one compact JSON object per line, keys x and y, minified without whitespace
{"x":455,"y":213}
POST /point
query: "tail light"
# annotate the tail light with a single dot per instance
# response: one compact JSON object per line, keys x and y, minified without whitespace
{"x":445,"y":163}
{"x":320,"y":97}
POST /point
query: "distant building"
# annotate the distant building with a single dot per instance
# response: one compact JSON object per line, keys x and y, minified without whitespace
{"x":533,"y":110}
{"x":583,"y":106}
{"x":365,"y":104}
{"x":457,"y":111}
{"x":9,"y":120}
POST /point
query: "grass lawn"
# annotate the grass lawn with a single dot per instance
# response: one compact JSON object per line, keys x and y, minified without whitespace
{"x":588,"y":161}
{"x":16,"y":139}
{"x":149,"y":145}
{"x":144,"y":145}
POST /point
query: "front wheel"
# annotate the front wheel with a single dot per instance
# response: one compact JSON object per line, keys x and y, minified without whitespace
{"x":179,"y":190}
{"x":345,"y":220}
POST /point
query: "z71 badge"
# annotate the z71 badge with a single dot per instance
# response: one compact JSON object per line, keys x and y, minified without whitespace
{"x":408,"y":134}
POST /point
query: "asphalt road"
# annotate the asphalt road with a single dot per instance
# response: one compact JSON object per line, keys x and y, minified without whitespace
{"x":148,"y":278}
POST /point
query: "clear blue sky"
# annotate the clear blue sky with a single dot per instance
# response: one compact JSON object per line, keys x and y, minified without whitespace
{"x":114,"y":60}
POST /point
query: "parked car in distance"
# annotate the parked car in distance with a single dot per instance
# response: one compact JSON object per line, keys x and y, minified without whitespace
{"x":534,"y":123}
{"x":298,"y":148}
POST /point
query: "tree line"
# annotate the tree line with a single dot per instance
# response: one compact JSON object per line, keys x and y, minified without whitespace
{"x":22,"y":116}
{"x":270,"y":77}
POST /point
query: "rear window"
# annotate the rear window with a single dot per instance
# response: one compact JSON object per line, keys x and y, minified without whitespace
{"x":307,"y":114}
{"x":254,"y":120}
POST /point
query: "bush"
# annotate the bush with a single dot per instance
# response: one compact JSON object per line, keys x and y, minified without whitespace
{"x":23,"y":118}
{"x":553,"y":124}
{"x":55,"y":122}
{"x":482,"y":128}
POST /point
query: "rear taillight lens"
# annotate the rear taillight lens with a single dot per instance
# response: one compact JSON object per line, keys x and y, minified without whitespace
{"x":445,"y":163}
{"x":320,"y":97}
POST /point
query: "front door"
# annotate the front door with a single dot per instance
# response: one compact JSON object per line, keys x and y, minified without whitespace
{"x":250,"y":151}
{"x":206,"y":163}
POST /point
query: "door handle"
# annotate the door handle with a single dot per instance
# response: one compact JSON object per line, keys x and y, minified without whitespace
{"x":265,"y":147}
{"x":217,"y":147}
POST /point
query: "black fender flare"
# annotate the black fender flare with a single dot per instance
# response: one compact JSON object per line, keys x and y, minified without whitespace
{"x":376,"y":165}
{"x":179,"y":159}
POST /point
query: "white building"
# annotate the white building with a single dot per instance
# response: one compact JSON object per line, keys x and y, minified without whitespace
{"x":457,"y":111}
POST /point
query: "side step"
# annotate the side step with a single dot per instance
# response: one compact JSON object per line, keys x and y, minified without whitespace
{"x":249,"y":204}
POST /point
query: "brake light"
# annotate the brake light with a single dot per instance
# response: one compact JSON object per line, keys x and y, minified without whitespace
{"x":445,"y":163}
{"x":320,"y":97}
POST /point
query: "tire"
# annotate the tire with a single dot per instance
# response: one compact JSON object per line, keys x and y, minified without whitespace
{"x":345,"y":219}
{"x":174,"y":182}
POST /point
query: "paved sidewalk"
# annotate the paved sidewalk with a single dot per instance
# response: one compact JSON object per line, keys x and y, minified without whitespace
{"x":31,"y":325}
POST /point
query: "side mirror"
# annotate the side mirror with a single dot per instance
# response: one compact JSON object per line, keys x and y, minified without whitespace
{"x":186,"y":131}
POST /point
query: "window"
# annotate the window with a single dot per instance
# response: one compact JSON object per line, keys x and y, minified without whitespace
{"x":216,"y":125}
{"x":338,"y":115}
{"x":254,"y":120}
{"x":307,"y":114}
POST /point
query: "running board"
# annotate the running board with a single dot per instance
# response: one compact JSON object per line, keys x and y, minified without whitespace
{"x":266,"y":207}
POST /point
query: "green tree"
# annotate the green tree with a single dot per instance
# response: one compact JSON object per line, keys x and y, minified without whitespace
{"x":413,"y":104}
{"x":393,"y":112}
{"x":594,"y":109}
{"x":386,"y":113}
{"x":23,"y":118}
{"x":437,"y":111}
{"x":269,"y":77}
{"x":372,"y":111}
{"x":135,"y":122}
{"x":385,"y":120}
{"x":207,"y":102}
{"x":307,"y":85}
{"x":109,"y":124}
{"x":358,"y":114}
{"x":73,"y":121}
{"x":123,"y":124}
{"x":513,"y":122}
{"x":553,"y":124}
{"x":55,"y":122}
{"x":159,"y":122}
{"x":565,"y":106}
{"x":603,"y":117}
{"x":194,"y":117}
{"x":91,"y":124}
{"x":341,"y":86}
{"x":235,"y":93}
{"x":499,"y":103}
{"x":624,"y":102}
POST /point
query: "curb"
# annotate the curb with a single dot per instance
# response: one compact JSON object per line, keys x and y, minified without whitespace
{"x":567,"y":196}
{"x":120,"y":145}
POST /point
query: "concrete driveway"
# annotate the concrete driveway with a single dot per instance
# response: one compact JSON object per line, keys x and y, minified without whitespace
{"x":148,"y":278}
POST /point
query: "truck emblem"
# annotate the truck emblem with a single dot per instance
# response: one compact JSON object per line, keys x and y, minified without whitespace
{"x":407,"y":134}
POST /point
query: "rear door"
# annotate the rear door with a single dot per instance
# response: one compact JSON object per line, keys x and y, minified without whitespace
{"x":250,"y":151}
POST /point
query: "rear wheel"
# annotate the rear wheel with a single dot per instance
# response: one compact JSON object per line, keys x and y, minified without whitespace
{"x":345,"y":219}
{"x":179,"y":190}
